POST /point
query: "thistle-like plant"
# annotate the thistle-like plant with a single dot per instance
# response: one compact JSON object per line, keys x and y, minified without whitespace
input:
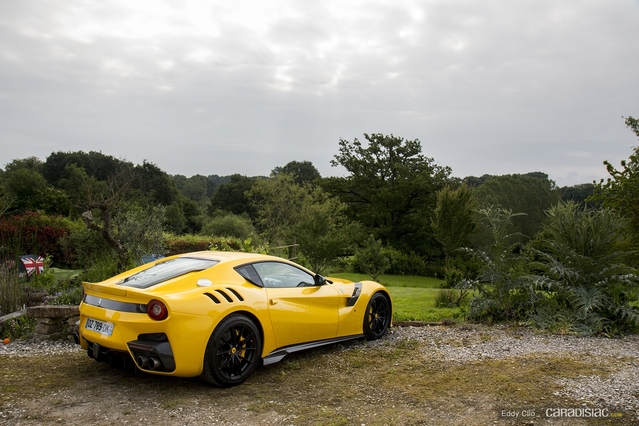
{"x":582,"y":272}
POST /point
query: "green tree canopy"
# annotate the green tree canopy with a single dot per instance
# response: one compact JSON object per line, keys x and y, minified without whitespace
{"x":621,"y":190}
{"x":577,"y":193}
{"x":27,"y":190}
{"x":323,"y":231}
{"x":531,"y":194}
{"x":391,"y":189}
{"x":232,"y":196}
{"x":96,"y":164}
{"x":277,"y":202}
{"x":302,"y":171}
{"x":453,"y":220}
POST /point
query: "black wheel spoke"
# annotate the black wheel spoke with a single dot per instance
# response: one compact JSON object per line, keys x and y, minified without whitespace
{"x":234,"y":351}
{"x":377,"y":317}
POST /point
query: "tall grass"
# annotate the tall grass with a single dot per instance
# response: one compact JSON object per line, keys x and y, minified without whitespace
{"x":12,"y":293}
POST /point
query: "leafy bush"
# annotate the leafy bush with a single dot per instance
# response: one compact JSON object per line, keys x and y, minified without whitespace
{"x":452,"y":277}
{"x":229,"y":225}
{"x":505,"y":290}
{"x":581,"y":267}
{"x":35,"y":233}
{"x":371,"y":260}
{"x":403,"y":263}
{"x":449,"y":298}
{"x":186,"y":243}
{"x":84,"y":247}
{"x":18,"y":327}
{"x":100,"y":270}
{"x":71,"y":296}
{"x":572,"y":277}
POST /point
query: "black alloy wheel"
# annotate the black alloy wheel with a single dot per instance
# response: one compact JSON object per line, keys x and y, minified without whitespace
{"x":377,"y":317}
{"x":233,"y":351}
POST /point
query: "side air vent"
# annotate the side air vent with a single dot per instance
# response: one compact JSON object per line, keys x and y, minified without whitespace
{"x":226,"y":293}
{"x":236,"y":294}
{"x":213,"y":298}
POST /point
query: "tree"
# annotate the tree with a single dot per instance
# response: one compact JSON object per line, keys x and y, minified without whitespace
{"x":155,"y":184}
{"x":95,"y":164}
{"x":27,"y":190}
{"x":391,"y":189}
{"x":232,"y":196}
{"x":228,"y":225}
{"x":474,"y":181}
{"x":371,"y":259}
{"x":30,"y":163}
{"x":531,"y":194}
{"x":277,"y":203}
{"x":126,"y":227}
{"x":453,"y":220}
{"x":323,"y":232}
{"x":621,"y":190}
{"x":194,"y":188}
{"x":577,"y":193}
{"x":303,"y":172}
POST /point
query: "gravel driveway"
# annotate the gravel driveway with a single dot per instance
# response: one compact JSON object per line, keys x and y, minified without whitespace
{"x":408,"y":377}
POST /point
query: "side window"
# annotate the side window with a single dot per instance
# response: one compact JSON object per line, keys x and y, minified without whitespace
{"x":249,"y":274}
{"x":283,"y":275}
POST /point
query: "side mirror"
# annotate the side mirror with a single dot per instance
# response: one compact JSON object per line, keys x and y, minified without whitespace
{"x":320,"y":280}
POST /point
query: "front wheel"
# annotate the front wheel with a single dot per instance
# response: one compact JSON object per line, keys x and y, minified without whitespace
{"x":233,"y":351}
{"x":377,"y":317}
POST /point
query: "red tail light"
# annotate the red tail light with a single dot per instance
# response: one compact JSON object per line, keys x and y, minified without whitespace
{"x":156,"y":310}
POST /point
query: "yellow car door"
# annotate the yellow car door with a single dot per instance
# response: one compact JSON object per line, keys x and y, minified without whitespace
{"x":300,"y":310}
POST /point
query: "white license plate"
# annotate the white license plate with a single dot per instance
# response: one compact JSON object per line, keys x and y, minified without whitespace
{"x":105,"y":328}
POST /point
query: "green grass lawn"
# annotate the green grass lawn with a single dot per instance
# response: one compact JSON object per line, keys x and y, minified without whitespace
{"x":395,"y":280}
{"x":413,"y":297}
{"x":63,"y":274}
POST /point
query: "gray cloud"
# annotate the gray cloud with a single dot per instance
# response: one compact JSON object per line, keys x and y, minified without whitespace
{"x":219,"y":88}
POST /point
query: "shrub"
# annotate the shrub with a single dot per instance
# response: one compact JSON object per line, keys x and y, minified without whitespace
{"x":36,"y":233}
{"x":452,"y":277}
{"x":18,"y":327}
{"x":448,"y":298}
{"x":186,"y":243}
{"x":404,"y":264}
{"x":71,"y":296}
{"x":230,"y":225}
{"x":100,"y":270}
{"x":371,"y":259}
{"x":84,"y":247}
{"x":581,"y":267}
{"x":505,"y":291}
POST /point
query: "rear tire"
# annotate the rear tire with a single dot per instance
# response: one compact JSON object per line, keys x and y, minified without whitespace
{"x":377,"y":317}
{"x":233,"y":351}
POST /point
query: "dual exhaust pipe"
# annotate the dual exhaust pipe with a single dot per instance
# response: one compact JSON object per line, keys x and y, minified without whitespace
{"x":148,"y":363}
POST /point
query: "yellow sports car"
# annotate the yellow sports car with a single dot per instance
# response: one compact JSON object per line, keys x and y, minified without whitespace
{"x":219,"y":314}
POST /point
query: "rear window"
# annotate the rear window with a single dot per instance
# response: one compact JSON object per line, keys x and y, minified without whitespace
{"x":167,"y":270}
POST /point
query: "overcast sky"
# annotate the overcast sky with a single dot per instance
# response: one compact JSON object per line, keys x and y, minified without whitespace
{"x":221,"y":87}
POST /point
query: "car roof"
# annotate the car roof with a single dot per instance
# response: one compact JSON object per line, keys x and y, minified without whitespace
{"x":226,"y":256}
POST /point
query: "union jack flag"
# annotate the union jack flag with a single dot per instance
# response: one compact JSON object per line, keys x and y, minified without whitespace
{"x":33,"y":264}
